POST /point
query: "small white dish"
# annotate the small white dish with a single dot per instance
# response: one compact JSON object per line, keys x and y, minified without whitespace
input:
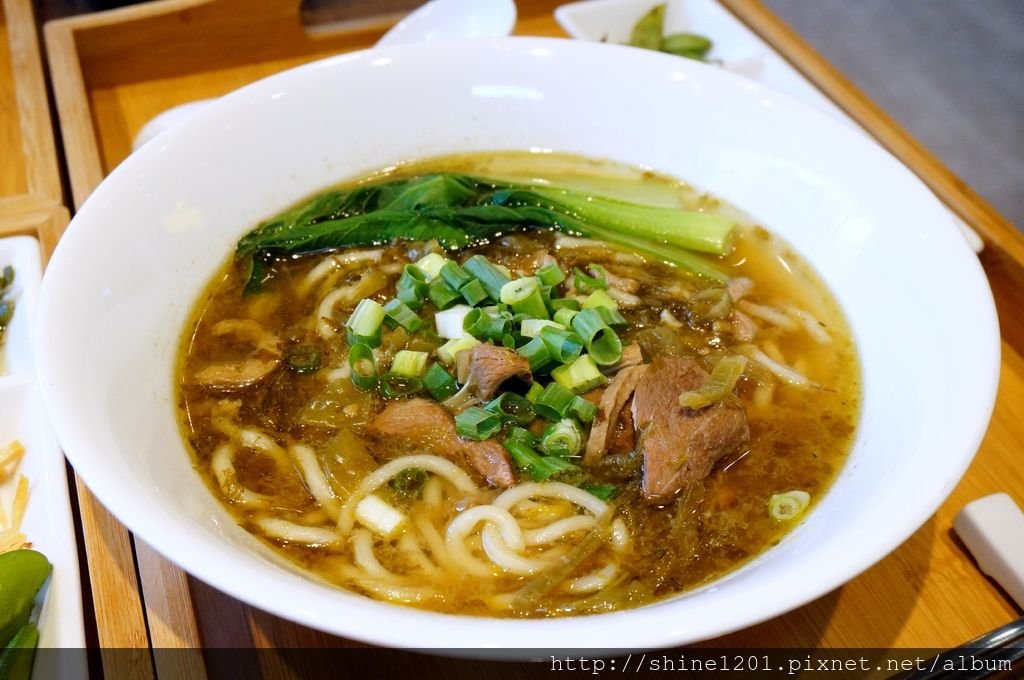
{"x":736,"y":48}
{"x":130,"y":267}
{"x":47,"y":523}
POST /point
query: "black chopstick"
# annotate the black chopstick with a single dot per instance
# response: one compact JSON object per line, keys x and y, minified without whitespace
{"x":1005,"y":643}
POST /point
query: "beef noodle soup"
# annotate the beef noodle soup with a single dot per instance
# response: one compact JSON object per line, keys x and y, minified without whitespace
{"x":517,"y":384}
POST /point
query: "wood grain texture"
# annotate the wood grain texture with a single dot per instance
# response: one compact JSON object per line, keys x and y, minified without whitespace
{"x":44,"y":223}
{"x":104,"y":97}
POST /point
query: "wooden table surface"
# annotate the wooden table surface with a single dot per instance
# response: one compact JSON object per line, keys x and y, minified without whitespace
{"x":927,"y":593}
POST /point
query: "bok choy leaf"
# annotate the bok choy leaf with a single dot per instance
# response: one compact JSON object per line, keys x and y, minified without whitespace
{"x":460,"y":211}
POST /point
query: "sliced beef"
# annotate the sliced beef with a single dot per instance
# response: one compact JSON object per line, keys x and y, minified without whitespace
{"x":614,"y":397}
{"x":260,"y":356}
{"x":421,"y":424}
{"x":680,"y":445}
{"x":488,"y":366}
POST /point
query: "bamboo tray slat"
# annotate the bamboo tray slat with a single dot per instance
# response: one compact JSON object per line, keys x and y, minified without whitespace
{"x":30,"y":176}
{"x":109,"y":80}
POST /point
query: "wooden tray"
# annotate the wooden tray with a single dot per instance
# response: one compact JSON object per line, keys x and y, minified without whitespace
{"x":30,"y":176}
{"x":113,"y":71}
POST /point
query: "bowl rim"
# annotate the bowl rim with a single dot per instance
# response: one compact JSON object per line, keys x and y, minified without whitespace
{"x":648,"y":624}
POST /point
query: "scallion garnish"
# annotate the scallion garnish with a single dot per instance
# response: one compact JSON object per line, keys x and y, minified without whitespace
{"x":439,"y":382}
{"x":441,"y":294}
{"x":490,"y":276}
{"x":554,"y":402}
{"x":412,"y":287}
{"x":402,"y":314}
{"x":522,"y":435}
{"x":564,"y":315}
{"x":395,"y":385}
{"x":446,"y":352}
{"x":477,"y":423}
{"x":454,"y":275}
{"x":599,"y":339}
{"x":524,"y":297}
{"x":603,"y":491}
{"x":583,"y":410}
{"x":531,"y":328}
{"x":362,"y":366}
{"x":563,"y":345}
{"x":431,"y":264}
{"x":473,"y":292}
{"x":563,"y":439}
{"x":535,"y":390}
{"x":537,"y":466}
{"x":600,"y":298}
{"x":481,"y":324}
{"x":363,"y":327}
{"x":585,"y":283}
{"x":450,"y":322}
{"x":409,"y":363}
{"x":565,"y":303}
{"x":613,"y":318}
{"x":550,"y":275}
{"x":512,"y":407}
{"x":537,"y":353}
{"x":579,"y":376}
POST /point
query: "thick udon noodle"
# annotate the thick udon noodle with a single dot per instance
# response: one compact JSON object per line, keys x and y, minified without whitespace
{"x":535,"y":548}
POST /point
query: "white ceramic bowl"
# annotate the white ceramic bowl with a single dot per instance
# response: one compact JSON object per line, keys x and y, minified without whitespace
{"x":126,"y":274}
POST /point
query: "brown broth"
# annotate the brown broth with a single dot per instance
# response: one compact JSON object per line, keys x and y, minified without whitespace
{"x":798,"y":441}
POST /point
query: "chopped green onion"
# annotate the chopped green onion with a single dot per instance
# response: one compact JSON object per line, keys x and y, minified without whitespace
{"x":490,"y":276}
{"x":480,"y":324}
{"x":522,"y":435}
{"x":565,"y":303}
{"x":511,"y":341}
{"x":564,"y":315}
{"x":446,"y":352}
{"x":603,"y":491}
{"x":477,"y":423}
{"x":512,"y":407}
{"x":454,"y":275}
{"x":600,"y":298}
{"x":788,"y":506}
{"x":439,"y":382}
{"x":554,"y":402}
{"x":721,"y":383}
{"x":563,"y":439}
{"x":363,"y":366}
{"x":412,"y":287}
{"x":524,"y":297}
{"x":395,"y":385}
{"x":537,"y":466}
{"x":441,"y":294}
{"x":431,"y":264}
{"x":550,"y":275}
{"x":473,"y":292}
{"x":409,"y":363}
{"x":563,"y":345}
{"x":583,"y":410}
{"x":613,"y":318}
{"x":450,"y":322}
{"x":531,"y":328}
{"x":535,"y":389}
{"x":407,"y":483}
{"x":302,"y":359}
{"x":579,"y":376}
{"x":400,"y":313}
{"x":584,"y":282}
{"x":599,"y":339}
{"x":536,"y":352}
{"x":364,"y":324}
